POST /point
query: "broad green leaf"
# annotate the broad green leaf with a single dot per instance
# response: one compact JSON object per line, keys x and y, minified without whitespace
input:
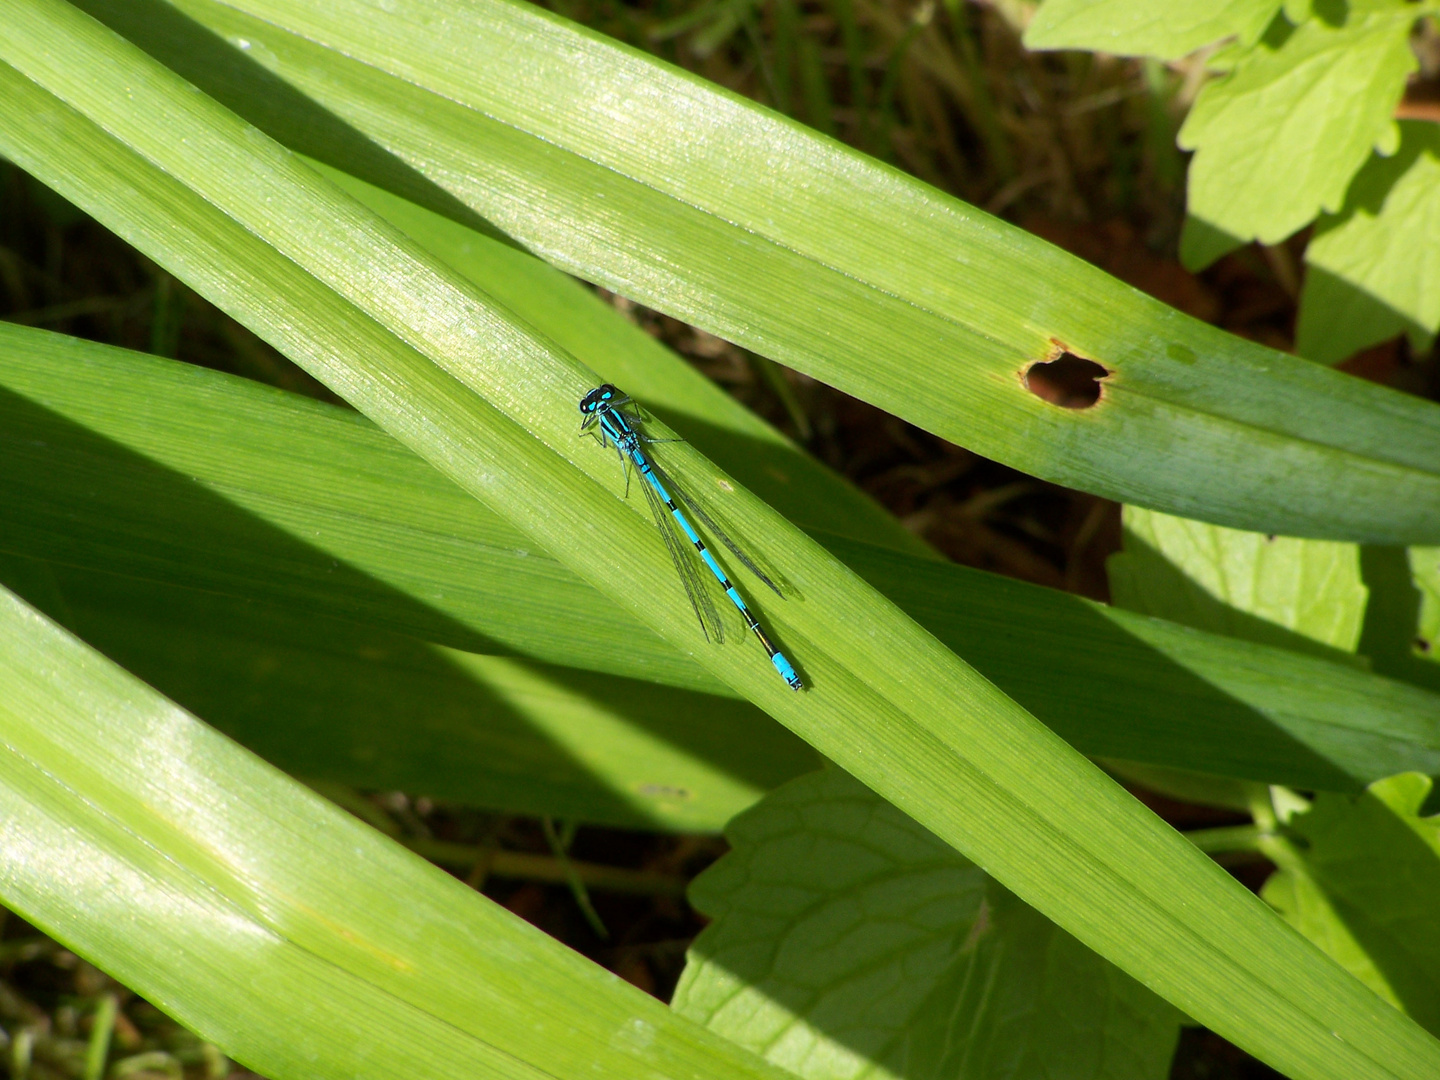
{"x":1373,"y":270}
{"x":849,"y":942}
{"x":490,"y":403}
{"x":1362,"y":881}
{"x":810,"y":253}
{"x":1279,"y":138}
{"x":1138,"y":28}
{"x":1425,"y":571}
{"x":209,"y":458}
{"x":1275,"y":589}
{"x":1402,"y":618}
{"x":300,"y":941}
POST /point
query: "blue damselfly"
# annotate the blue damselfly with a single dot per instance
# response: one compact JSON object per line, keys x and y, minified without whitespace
{"x":613,"y":417}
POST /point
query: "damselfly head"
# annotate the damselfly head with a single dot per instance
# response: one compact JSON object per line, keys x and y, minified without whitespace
{"x":598,"y":400}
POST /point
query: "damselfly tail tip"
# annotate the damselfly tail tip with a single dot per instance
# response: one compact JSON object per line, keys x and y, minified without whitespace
{"x":787,"y":672}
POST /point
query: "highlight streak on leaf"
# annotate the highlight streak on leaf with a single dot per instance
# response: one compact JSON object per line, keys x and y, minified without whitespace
{"x":573,"y":317}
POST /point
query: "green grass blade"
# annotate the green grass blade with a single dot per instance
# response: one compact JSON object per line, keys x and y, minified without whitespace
{"x":830,"y":262}
{"x":491,"y":404}
{"x":301,"y":941}
{"x":212,"y":460}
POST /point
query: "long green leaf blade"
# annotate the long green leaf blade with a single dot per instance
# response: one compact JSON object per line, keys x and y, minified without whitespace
{"x":299,"y":940}
{"x":88,"y":433}
{"x":832,"y":263}
{"x":332,"y":701}
{"x":480,"y":396}
{"x":572,"y":316}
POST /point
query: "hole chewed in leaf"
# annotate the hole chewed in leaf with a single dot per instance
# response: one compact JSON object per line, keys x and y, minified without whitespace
{"x":1067,"y":380}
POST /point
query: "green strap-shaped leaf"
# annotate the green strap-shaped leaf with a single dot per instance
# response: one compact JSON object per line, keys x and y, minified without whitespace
{"x":299,"y":940}
{"x":490,"y":403}
{"x":88,"y":434}
{"x":328,"y":700}
{"x":847,"y":941}
{"x":573,"y":317}
{"x":810,"y":253}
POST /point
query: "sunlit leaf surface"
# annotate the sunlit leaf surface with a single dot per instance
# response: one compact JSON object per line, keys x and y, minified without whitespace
{"x":489,"y":402}
{"x":300,"y":941}
{"x":849,"y":942}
